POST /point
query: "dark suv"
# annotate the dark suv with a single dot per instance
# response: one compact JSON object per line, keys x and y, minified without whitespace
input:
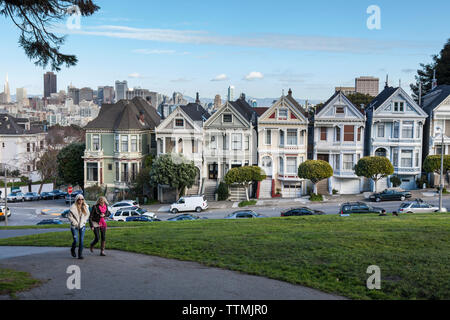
{"x":390,"y":194}
{"x":358,"y":207}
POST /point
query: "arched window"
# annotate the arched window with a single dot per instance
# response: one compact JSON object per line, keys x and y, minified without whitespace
{"x":180,"y":146}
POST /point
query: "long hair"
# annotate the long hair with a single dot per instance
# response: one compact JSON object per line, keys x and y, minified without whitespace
{"x":81,"y":207}
{"x":104,"y":201}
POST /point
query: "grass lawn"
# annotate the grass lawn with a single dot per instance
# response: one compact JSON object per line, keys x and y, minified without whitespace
{"x":12,"y":282}
{"x":329,"y":253}
{"x":67,"y":226}
{"x":247,"y":203}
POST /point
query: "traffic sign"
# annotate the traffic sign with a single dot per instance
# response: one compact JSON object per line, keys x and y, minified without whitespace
{"x":69,"y":190}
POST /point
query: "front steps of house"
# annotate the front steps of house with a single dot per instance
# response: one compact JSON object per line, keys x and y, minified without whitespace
{"x":265,"y":189}
{"x":237,"y":193}
{"x":193,"y":191}
{"x":210,"y":190}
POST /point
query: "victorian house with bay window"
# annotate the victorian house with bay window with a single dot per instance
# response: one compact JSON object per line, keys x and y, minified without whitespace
{"x":182,"y":133}
{"x":339,"y":140}
{"x":117,"y":141}
{"x":282,"y":147}
{"x":395,"y":129}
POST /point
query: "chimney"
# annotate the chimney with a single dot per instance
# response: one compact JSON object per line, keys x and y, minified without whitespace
{"x":290,"y":92}
{"x":386,"y":85}
{"x":434,"y":81}
{"x":197,"y":100}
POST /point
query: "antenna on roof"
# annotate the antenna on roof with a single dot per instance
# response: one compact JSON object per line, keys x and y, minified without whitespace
{"x":399,"y":83}
{"x":387,"y":81}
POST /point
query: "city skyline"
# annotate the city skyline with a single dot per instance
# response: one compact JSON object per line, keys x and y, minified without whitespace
{"x":192,"y":50}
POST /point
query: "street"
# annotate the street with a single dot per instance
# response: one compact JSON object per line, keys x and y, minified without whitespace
{"x":29,"y":213}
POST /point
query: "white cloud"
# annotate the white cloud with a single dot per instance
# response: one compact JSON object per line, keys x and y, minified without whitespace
{"x":135,"y":75}
{"x":220,"y":77}
{"x":254,"y":75}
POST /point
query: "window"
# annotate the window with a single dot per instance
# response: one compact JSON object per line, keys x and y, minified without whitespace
{"x":407,"y":129}
{"x":28,"y":168}
{"x":292,"y":137}
{"x":380,"y":133}
{"x":268,"y":137}
{"x":133,"y":171}
{"x":395,"y":157}
{"x":194,"y":146}
{"x":323,"y":133}
{"x":227,"y":118}
{"x":282,"y":114}
{"x":407,"y":158}
{"x":124,"y":172}
{"x":247,"y":142}
{"x":337,"y":134}
{"x":41,"y":144}
{"x":359,"y":133}
{"x":140,"y":143}
{"x":116,"y":143}
{"x":417,"y":159}
{"x":291,"y":165}
{"x":348,"y":162}
{"x":281,"y":138}
{"x":117,"y":171}
{"x":418,"y":130}
{"x":110,"y":167}
{"x":349,"y":133}
{"x":339,"y":110}
{"x":134,"y":144}
{"x":281,"y":161}
{"x":396,"y":130}
{"x":213,"y":142}
{"x":180,"y":145}
{"x":236,"y":143}
{"x":124,"y":143}
{"x":337,"y":162}
{"x":92,"y":172}
{"x":28,"y":148}
{"x":302,"y":137}
{"x":399,"y":107}
{"x":95,"y":142}
{"x":179,"y":123}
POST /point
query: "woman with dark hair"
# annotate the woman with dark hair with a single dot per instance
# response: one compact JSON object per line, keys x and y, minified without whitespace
{"x":98,"y":224}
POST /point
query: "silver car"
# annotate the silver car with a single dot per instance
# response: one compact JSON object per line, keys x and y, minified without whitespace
{"x":418,"y":207}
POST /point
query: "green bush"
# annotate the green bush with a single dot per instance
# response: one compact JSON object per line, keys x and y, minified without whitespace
{"x":93,"y":193}
{"x":396,"y":181}
{"x":222,"y":192}
{"x":247,"y":203}
{"x":315,"y":197}
{"x":421,"y":181}
{"x":335,"y":191}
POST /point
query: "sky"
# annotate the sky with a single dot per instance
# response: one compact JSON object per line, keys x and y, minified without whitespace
{"x":260,"y":47}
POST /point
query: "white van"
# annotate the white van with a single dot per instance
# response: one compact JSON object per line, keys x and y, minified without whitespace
{"x":191,"y":203}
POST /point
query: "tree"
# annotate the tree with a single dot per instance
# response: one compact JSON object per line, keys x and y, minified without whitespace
{"x":396,"y":181}
{"x":46,"y":166}
{"x":440,"y":64}
{"x":244,"y":176}
{"x":374,"y":168}
{"x":71,"y":164}
{"x":173,"y":170}
{"x":359,"y":98}
{"x":315,"y":171}
{"x":34,"y":18}
{"x":433,"y":164}
{"x":142,"y":186}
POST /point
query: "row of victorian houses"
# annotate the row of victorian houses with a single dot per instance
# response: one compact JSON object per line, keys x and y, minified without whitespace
{"x":278,"y":139}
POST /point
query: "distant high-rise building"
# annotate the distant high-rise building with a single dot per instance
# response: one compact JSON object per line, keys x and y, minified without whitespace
{"x":346,"y":90}
{"x":7,"y":91}
{"x":177,"y":98}
{"x":108,"y":94}
{"x":367,"y":85}
{"x":138,"y":92}
{"x":50,"y":84}
{"x":121,"y":90}
{"x":155,"y":99}
{"x":217,"y":102}
{"x":74,"y":94}
{"x":21,"y":97}
{"x":230,"y":93}
{"x":86,"y":94}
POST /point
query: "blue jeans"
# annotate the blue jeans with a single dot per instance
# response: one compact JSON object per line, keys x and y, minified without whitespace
{"x":78,"y":236}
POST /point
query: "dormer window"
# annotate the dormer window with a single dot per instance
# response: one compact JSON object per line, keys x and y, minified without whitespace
{"x":399,"y":106}
{"x":227,"y":118}
{"x":179,"y":123}
{"x":282,"y":114}
{"x":340,"y":110}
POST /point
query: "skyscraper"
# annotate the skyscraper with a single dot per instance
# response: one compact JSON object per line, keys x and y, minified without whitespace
{"x":121,"y":90}
{"x":50,"y":84}
{"x":230,"y":93}
{"x":367,"y":85}
{"x":6,"y":92}
{"x":86,"y":94}
{"x":217,"y":102}
{"x":21,"y":97}
{"x":74,"y":94}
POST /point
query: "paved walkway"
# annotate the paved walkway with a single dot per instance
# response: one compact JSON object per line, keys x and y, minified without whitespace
{"x":131,"y":276}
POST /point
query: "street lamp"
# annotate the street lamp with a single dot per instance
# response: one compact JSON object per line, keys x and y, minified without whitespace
{"x":441,"y":178}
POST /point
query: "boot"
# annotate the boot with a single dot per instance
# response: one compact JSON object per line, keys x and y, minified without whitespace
{"x":80,"y":253}
{"x":91,"y":248}
{"x":102,"y":251}
{"x":72,"y":251}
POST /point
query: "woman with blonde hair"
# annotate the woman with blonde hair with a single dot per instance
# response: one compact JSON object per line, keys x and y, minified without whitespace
{"x":98,"y":224}
{"x":78,"y":216}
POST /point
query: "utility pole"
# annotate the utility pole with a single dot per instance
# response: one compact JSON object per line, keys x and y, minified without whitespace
{"x":6,"y":198}
{"x":442,"y":171}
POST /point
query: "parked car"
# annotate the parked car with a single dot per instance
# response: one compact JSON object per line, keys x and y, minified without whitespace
{"x":58,"y":194}
{"x":243,"y":214}
{"x":32,"y":196}
{"x":358,"y":207}
{"x":2,"y":212}
{"x":303,"y":211}
{"x":70,"y":198}
{"x":49,"y":221}
{"x":121,"y":205}
{"x":47,"y":196}
{"x":65,"y":213}
{"x":191,"y":203}
{"x":141,"y":219}
{"x":390,"y":194}
{"x":16,"y":196}
{"x":418,"y":206}
{"x":141,"y":211}
{"x":123,"y":214}
{"x":185,"y":216}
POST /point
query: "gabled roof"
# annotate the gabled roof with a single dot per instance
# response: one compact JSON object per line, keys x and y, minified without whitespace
{"x":195,"y":111}
{"x":297,"y":105}
{"x":244,"y":109}
{"x":344,"y":97}
{"x":124,"y":115}
{"x":260,"y":110}
{"x":435,"y":97}
{"x":382,"y":97}
{"x":14,"y":126}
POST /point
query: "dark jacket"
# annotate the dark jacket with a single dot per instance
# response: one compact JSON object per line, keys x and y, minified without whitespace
{"x":96,"y":214}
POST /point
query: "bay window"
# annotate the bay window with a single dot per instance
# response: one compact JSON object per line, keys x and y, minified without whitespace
{"x":407,"y":129}
{"x":124,"y":143}
{"x":348,"y":161}
{"x":292,"y":137}
{"x":406,"y":160}
{"x":291,"y":165}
